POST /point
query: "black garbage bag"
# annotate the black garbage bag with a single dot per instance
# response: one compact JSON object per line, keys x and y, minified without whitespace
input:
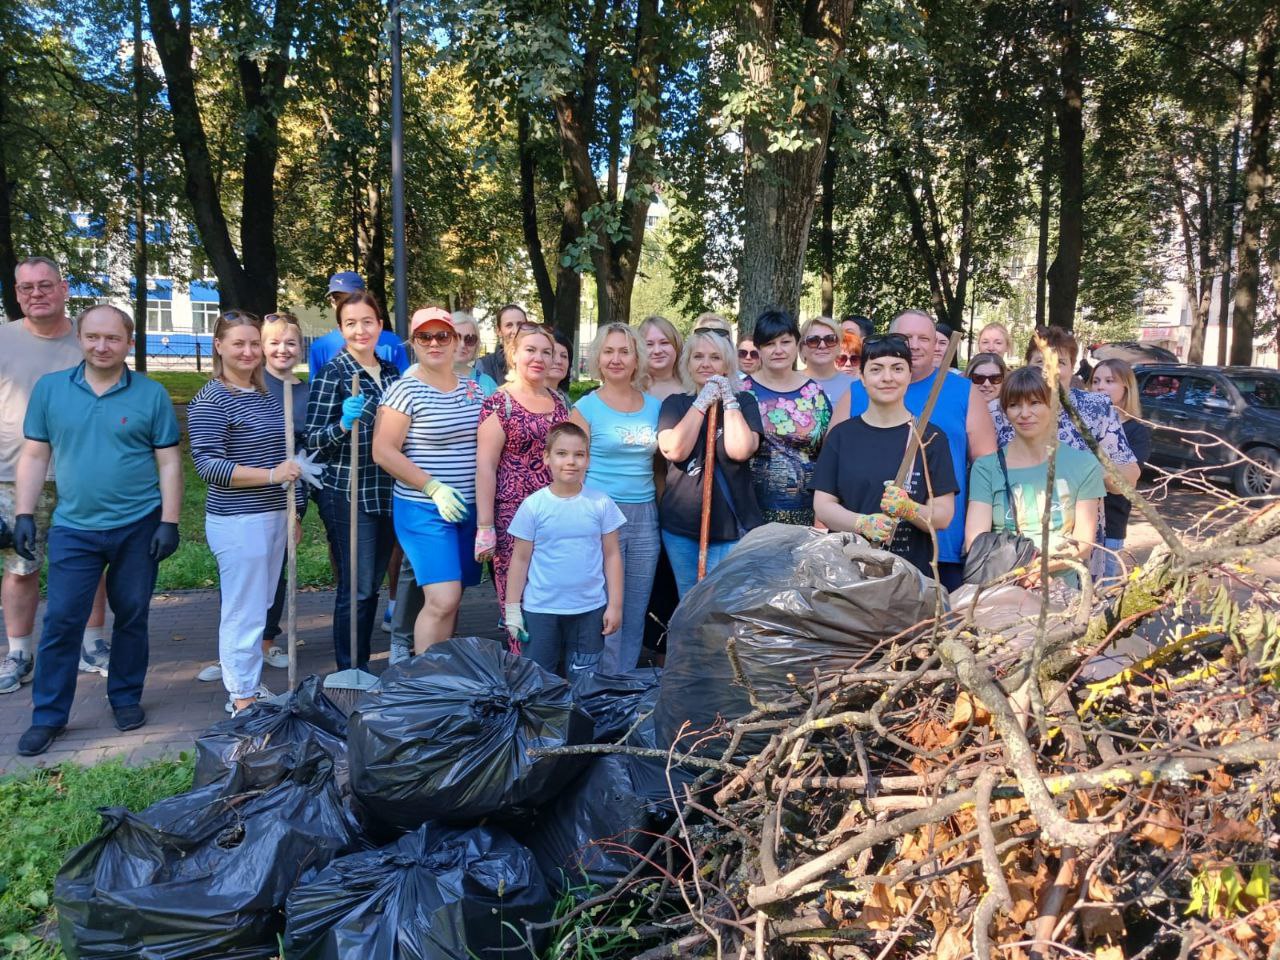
{"x":793,"y":601}
{"x":616,"y":700}
{"x":271,"y":736}
{"x":447,"y":735}
{"x":435,"y":894}
{"x":204,"y":875}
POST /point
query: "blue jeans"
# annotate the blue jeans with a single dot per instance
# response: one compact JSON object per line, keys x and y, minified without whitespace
{"x":76,"y":561}
{"x":639,"y":542}
{"x":1109,"y":566}
{"x":375,"y":538}
{"x":683,"y":554}
{"x":568,"y":644}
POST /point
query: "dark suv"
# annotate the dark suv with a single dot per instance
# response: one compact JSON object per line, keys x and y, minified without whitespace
{"x":1240,"y":405}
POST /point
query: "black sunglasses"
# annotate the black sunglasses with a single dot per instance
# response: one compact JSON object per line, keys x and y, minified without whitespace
{"x":470,"y":339}
{"x":826,"y":340}
{"x":716,"y":330}
{"x":748,"y":354}
{"x":876,"y":338}
{"x":848,"y":358}
{"x":995,"y":379}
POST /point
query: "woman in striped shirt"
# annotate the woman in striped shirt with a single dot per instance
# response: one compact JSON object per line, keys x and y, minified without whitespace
{"x":238,"y":445}
{"x":426,"y":440}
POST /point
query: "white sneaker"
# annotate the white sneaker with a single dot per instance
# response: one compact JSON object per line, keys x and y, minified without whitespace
{"x":96,"y":660}
{"x":15,"y":670}
{"x":262,"y":694}
{"x":275,"y":657}
{"x":210,"y":673}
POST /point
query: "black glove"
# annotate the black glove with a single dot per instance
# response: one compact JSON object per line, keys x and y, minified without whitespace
{"x":6,"y":535}
{"x":24,"y":536}
{"x":164,"y":541}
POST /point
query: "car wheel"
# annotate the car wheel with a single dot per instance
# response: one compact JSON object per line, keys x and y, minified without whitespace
{"x":1259,"y":476}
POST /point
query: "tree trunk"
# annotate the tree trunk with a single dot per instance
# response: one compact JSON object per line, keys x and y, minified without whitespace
{"x":1064,"y":274}
{"x":1256,"y":173}
{"x":8,"y":255}
{"x":1228,"y":240}
{"x":140,"y":197}
{"x":1042,"y":241}
{"x":567,"y":306}
{"x":373,"y":244}
{"x":780,"y":188}
{"x":529,"y":220}
{"x":1193,"y":275}
{"x":826,"y":238}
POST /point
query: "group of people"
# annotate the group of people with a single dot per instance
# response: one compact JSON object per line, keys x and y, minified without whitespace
{"x":453,"y":462}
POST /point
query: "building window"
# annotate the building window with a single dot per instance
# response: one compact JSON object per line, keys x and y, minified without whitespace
{"x":204,"y":316}
{"x":159,"y":316}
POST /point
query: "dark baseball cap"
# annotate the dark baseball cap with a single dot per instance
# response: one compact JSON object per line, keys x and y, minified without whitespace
{"x":346,"y":282}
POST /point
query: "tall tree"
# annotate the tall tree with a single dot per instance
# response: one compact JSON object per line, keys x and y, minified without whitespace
{"x":1064,"y":272}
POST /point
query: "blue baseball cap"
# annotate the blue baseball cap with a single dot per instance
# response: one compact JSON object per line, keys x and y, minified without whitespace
{"x":346,"y":282}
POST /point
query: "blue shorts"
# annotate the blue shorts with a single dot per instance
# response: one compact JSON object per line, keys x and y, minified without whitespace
{"x":438,"y":551}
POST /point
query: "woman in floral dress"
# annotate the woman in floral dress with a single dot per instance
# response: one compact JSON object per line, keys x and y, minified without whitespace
{"x":513,"y":431}
{"x":795,"y":412}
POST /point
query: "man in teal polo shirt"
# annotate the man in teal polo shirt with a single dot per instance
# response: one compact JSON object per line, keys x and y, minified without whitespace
{"x":115,"y":438}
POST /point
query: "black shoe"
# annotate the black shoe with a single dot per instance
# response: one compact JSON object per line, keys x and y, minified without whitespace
{"x":130,"y":717}
{"x":37,"y":739}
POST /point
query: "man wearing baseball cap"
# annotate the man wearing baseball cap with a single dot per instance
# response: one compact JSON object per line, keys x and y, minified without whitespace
{"x":324,"y":349}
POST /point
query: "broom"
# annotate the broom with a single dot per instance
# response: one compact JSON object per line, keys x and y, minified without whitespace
{"x":708,"y":470}
{"x":345,"y":687}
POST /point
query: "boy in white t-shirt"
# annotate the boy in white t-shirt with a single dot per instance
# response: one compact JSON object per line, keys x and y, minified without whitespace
{"x":564,"y":585}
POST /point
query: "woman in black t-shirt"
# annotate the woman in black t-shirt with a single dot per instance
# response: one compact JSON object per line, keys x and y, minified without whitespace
{"x":707,"y":368}
{"x":853,"y":483}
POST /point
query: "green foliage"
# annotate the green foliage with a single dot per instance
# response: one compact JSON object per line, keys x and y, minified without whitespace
{"x":47,"y":814}
{"x":1221,"y":891}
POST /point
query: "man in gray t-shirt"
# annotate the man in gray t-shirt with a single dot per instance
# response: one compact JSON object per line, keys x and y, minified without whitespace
{"x":42,"y":341}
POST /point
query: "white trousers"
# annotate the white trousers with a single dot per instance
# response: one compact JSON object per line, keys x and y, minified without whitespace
{"x":249,"y":549}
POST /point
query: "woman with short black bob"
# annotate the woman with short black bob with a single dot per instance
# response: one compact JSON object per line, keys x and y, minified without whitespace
{"x":854,"y":482}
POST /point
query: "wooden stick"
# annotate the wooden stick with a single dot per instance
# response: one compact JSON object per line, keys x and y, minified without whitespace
{"x":291,"y":547}
{"x":708,"y":471}
{"x":354,"y":525}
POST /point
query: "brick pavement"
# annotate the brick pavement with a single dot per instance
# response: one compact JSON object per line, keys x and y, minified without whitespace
{"x":184,"y":632}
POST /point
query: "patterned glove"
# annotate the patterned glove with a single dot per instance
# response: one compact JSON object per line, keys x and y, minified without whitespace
{"x":898,"y":504}
{"x":447,"y":500}
{"x":517,"y":637}
{"x":708,"y":395}
{"x":486,"y":542}
{"x":727,"y":393}
{"x":875,"y":527}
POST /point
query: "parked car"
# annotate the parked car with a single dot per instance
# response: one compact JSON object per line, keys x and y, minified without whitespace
{"x":1239,"y":405}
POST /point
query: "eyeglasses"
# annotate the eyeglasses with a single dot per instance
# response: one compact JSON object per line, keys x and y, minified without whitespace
{"x":981,"y":379}
{"x":826,"y":340}
{"x":427,"y":337}
{"x":848,"y":359}
{"x":719,"y":331}
{"x":748,"y":354}
{"x":470,"y":339}
{"x":44,"y":286}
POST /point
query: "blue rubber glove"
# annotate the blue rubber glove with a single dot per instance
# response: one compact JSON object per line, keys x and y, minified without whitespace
{"x":352,"y":407}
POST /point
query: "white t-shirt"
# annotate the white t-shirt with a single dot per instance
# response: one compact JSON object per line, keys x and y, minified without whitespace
{"x":566,"y":574}
{"x":24,"y":359}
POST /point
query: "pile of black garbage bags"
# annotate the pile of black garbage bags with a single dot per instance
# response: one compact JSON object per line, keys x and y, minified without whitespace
{"x":429,"y":824}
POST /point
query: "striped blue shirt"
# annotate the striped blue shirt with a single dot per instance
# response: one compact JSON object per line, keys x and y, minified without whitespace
{"x":442,"y":432}
{"x":232,"y":428}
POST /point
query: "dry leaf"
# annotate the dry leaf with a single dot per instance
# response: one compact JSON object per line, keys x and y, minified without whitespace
{"x":968,"y":710}
{"x":1109,"y":952}
{"x":951,"y":945}
{"x":1162,"y":828}
{"x":1233,"y":831}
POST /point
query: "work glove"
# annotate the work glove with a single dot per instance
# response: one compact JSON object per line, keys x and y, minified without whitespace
{"x":727,"y":394}
{"x":24,"y":536}
{"x":311,"y":471}
{"x":898,"y":504}
{"x":517,"y":637}
{"x":447,"y":500}
{"x":875,"y":527}
{"x":164,"y":541}
{"x":708,"y":395}
{"x":6,"y":535}
{"x":352,"y":407}
{"x":486,"y":543}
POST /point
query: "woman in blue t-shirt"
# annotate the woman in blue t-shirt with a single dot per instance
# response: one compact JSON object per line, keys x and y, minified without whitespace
{"x":622,"y":422}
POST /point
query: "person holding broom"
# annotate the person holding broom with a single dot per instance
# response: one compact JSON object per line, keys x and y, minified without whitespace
{"x":708,"y":369}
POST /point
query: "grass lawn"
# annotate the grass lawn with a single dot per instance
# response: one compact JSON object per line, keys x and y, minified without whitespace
{"x":48,"y":813}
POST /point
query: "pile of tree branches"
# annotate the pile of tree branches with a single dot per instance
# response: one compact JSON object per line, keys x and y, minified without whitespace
{"x":962,"y":794}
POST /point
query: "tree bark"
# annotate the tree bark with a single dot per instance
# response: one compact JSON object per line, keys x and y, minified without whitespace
{"x":780,"y":188}
{"x":1196,"y":266}
{"x":1256,"y":173}
{"x":826,"y":238}
{"x":1229,"y":239}
{"x":371,"y":235}
{"x":1042,"y":241}
{"x":1064,"y":274}
{"x":529,"y":219}
{"x":8,"y":255}
{"x":140,"y":197}
{"x":567,"y":306}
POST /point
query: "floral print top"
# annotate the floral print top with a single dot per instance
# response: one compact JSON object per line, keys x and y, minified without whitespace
{"x":795,"y":422}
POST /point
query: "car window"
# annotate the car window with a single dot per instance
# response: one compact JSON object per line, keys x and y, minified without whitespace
{"x":1160,"y":386}
{"x":1196,"y":390}
{"x":1261,"y":392}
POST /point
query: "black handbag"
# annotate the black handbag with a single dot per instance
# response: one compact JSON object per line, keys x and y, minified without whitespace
{"x":994,"y":553}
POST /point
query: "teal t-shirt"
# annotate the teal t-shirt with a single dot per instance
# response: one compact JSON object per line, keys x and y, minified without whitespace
{"x":1077,"y":476}
{"x":622,"y":448}
{"x":104,"y":446}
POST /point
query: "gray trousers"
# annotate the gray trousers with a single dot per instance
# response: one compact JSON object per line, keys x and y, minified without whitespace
{"x":640,"y":544}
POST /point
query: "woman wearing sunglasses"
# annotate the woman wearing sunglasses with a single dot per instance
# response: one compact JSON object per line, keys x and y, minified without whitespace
{"x":464,"y":360}
{"x":987,"y":372}
{"x":795,"y":412}
{"x":849,"y":359}
{"x":426,"y":439}
{"x":748,"y":356}
{"x":820,"y":344}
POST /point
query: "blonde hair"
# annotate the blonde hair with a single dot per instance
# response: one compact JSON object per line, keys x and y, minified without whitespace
{"x":639,"y":376}
{"x":229,"y":321}
{"x":1004,"y":331}
{"x":281,"y":318}
{"x":668,"y":330}
{"x":464,"y":316}
{"x":1132,"y":405}
{"x":722,"y":344}
{"x":827,"y":322}
{"x":528,"y":329}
